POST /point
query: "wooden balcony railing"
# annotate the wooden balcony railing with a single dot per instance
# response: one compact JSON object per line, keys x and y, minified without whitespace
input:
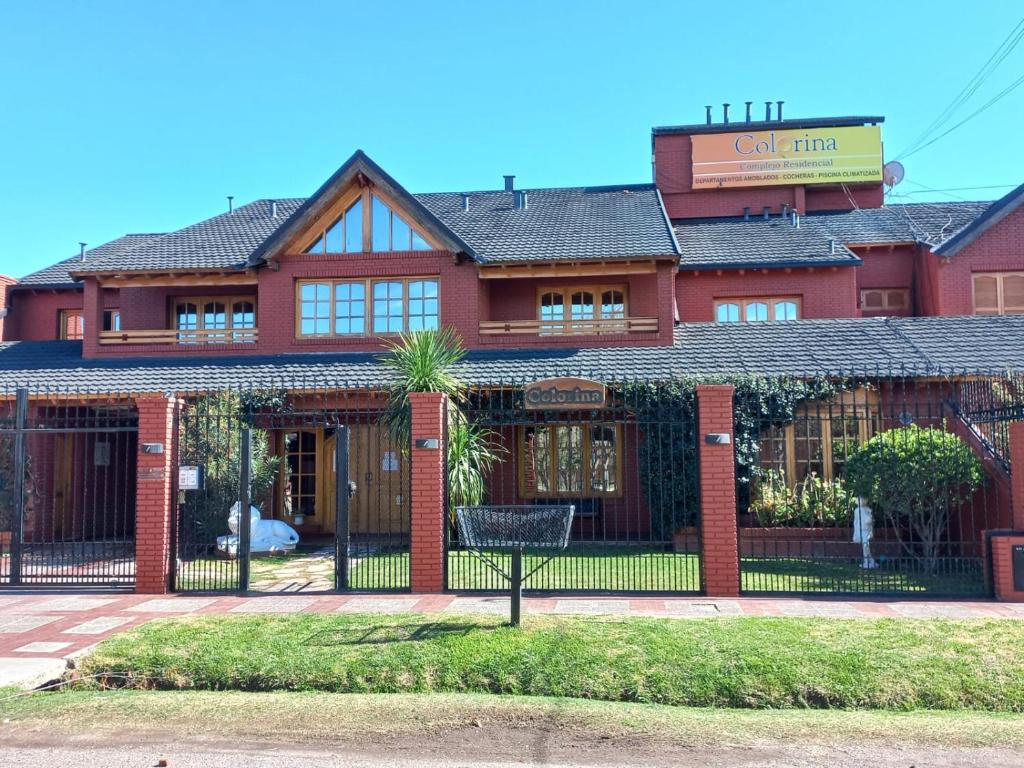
{"x":568,"y":327}
{"x":203,"y":336}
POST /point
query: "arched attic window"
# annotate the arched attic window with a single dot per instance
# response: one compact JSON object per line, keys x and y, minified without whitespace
{"x":388,"y":231}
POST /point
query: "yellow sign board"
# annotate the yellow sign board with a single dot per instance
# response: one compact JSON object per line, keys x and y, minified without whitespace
{"x":850,"y":155}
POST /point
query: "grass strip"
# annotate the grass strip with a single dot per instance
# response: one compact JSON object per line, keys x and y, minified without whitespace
{"x":738,"y":663}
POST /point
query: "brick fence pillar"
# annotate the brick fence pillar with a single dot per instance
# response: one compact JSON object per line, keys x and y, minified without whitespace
{"x":428,"y":492}
{"x":1017,"y":477}
{"x":719,"y":535}
{"x":154,"y":505}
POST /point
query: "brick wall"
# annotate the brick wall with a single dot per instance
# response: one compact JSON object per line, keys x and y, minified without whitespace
{"x":1002,"y":567}
{"x":718,"y":524}
{"x":823,"y":292}
{"x":154,"y":488}
{"x":1000,"y":249}
{"x":428,"y":512}
{"x":5,"y":283}
{"x":887,"y":267}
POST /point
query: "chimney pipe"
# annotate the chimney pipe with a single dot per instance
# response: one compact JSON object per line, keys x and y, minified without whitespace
{"x":831,"y":246}
{"x":795,"y":218}
{"x":767,"y":212}
{"x":746,"y":213}
{"x":767,"y":111}
{"x":779,"y":115}
{"x":748,"y":103}
{"x":81,"y":251}
{"x":725,"y":112}
{"x":510,"y":183}
{"x":465,"y":201}
{"x":231,"y":203}
{"x":273,"y":209}
{"x":785,"y":209}
{"x":707,"y":110}
{"x":520,"y":201}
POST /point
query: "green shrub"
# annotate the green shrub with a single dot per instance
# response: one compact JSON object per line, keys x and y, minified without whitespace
{"x":915,"y":478}
{"x":813,"y":503}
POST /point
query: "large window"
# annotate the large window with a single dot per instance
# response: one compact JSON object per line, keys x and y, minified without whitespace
{"x":571,"y":460}
{"x":215,"y":319}
{"x":821,"y":437}
{"x":299,"y":472}
{"x":756,"y":310}
{"x":582,"y":309}
{"x":363,"y":307}
{"x":72,"y":324}
{"x":999,"y":293}
{"x":368,"y":224}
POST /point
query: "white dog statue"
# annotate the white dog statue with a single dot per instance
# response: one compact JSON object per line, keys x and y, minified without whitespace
{"x":265,"y":536}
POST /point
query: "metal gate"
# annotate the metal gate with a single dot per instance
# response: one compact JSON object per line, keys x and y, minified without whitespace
{"x":67,"y":490}
{"x":319,"y":460}
{"x":824,"y":463}
{"x":629,"y":466}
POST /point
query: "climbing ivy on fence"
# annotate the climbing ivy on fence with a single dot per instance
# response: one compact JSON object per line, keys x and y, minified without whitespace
{"x":758,"y":403}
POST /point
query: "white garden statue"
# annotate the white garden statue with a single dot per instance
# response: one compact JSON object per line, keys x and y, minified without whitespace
{"x":864,"y":531}
{"x":265,"y":536}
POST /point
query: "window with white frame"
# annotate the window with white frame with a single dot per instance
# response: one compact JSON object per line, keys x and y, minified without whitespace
{"x":757,"y":310}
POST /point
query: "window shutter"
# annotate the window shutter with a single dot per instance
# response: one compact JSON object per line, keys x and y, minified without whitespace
{"x":986,"y":295}
{"x":1013,"y":294}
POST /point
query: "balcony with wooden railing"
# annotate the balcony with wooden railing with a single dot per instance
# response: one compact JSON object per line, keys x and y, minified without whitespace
{"x":569,"y":327}
{"x":200,"y":336}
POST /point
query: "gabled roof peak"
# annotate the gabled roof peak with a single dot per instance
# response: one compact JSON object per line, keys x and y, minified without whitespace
{"x":360,"y":169}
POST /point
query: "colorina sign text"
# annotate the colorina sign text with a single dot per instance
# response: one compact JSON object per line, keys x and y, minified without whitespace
{"x":564,"y":394}
{"x":849,"y":155}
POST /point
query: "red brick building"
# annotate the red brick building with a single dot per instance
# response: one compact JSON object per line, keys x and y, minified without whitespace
{"x":718,"y":267}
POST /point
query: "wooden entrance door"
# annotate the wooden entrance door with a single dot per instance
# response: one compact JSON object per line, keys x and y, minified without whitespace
{"x":378,"y":469}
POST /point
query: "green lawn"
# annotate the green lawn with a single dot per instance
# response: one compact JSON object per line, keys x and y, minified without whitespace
{"x":744,"y":663}
{"x":611,"y":569}
{"x":100,"y":716}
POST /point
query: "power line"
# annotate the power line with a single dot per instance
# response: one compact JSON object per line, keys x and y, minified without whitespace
{"x":998,"y":56}
{"x":1005,"y":92}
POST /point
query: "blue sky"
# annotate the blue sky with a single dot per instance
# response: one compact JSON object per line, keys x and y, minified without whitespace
{"x":142,"y":116}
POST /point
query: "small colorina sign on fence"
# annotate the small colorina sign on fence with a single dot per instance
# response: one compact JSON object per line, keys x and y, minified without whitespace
{"x":847,"y":155}
{"x":564,"y":394}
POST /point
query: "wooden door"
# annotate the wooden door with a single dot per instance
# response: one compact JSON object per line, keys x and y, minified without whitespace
{"x":378,"y":468}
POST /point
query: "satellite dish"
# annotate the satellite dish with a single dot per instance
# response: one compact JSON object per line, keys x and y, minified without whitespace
{"x":892,"y":173}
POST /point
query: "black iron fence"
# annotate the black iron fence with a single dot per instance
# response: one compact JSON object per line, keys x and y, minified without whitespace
{"x":866,"y":484}
{"x":626,"y":463}
{"x":327,"y":478}
{"x":67,"y":489}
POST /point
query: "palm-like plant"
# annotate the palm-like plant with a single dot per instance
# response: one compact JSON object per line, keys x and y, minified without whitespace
{"x":422,"y":362}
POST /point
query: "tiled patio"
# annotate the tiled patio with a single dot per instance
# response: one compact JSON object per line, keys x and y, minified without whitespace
{"x":48,"y":625}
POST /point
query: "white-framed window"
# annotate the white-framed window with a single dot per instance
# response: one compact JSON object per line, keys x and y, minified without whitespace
{"x":757,"y":310}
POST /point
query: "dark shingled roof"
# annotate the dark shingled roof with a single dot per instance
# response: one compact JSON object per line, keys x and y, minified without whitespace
{"x":58,"y":275}
{"x":574,"y":223}
{"x":851,"y":345}
{"x":221,"y":242}
{"x":557,"y":224}
{"x":733,"y":242}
